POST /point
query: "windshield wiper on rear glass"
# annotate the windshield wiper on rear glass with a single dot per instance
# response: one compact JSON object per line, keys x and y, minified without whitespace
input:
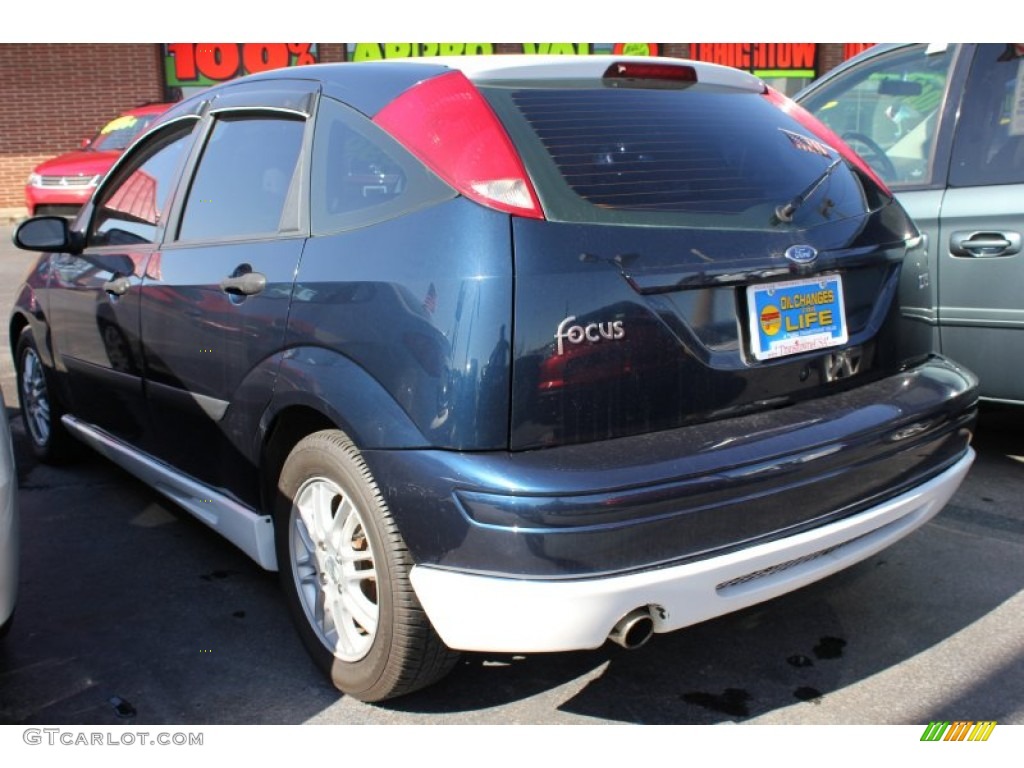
{"x":785,"y":212}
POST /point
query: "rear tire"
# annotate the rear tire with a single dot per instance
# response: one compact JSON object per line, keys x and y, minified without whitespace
{"x":40,"y":410}
{"x":345,"y":572}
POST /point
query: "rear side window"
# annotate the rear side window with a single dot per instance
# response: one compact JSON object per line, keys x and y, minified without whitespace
{"x":244,"y":177}
{"x":361,"y":175}
{"x":698,"y":156}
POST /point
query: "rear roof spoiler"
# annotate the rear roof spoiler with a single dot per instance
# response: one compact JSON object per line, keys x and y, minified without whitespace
{"x":501,"y":67}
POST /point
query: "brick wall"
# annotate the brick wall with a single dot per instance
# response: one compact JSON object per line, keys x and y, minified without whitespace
{"x":678,"y":50}
{"x":331,"y":52}
{"x":54,"y":95}
{"x":830,"y":56}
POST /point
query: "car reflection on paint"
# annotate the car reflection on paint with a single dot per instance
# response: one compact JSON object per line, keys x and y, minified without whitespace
{"x":598,"y":371}
{"x":408,"y":350}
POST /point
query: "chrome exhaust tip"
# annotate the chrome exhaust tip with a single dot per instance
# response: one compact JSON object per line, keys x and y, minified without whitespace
{"x":633,"y":630}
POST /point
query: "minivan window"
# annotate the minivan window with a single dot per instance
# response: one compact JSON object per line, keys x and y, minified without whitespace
{"x":989,"y":145}
{"x":700,"y":156}
{"x":245,"y":173}
{"x":888,"y":111}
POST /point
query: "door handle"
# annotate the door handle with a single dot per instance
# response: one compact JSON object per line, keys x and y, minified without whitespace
{"x":118,"y":286}
{"x":245,"y":284}
{"x":984,"y":244}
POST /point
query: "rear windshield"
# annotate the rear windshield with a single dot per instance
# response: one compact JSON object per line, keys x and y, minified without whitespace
{"x":696,"y":156}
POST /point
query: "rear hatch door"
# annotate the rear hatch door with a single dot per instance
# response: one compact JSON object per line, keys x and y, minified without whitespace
{"x":704,"y":254}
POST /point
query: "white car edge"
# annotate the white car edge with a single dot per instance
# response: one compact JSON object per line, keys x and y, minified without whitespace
{"x":8,"y":524}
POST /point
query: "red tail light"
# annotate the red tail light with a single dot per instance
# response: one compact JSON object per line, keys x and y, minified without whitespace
{"x":823,"y":132}
{"x":448,"y":125}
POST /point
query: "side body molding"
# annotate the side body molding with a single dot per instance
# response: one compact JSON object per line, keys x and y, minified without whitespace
{"x":247,"y":529}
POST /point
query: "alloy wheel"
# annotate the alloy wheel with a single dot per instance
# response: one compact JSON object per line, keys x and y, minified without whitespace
{"x":332,"y":563}
{"x":35,"y":400}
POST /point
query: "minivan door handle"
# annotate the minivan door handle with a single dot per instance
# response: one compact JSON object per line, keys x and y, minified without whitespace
{"x":984,"y":244}
{"x":245,"y":284}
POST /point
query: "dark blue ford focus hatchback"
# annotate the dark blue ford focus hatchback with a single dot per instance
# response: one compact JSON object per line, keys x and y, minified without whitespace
{"x":501,"y":354}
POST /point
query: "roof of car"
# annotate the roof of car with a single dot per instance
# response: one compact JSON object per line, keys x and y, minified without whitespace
{"x":515,"y":66}
{"x":368,"y":86}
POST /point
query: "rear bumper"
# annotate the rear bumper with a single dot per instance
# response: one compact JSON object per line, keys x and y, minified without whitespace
{"x":681,"y":496}
{"x":486,"y":613}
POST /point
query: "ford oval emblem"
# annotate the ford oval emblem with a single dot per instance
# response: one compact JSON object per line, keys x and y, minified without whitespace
{"x":801,"y":254}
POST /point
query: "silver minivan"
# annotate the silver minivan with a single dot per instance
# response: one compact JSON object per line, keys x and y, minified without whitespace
{"x":943,"y":126}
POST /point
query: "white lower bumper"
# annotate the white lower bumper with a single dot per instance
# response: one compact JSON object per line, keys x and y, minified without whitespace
{"x":486,"y":613}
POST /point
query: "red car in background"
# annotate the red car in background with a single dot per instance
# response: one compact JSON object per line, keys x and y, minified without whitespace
{"x":61,"y":185}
